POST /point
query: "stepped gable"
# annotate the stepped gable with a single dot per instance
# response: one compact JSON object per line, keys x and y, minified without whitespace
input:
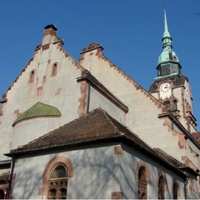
{"x":101,"y":55}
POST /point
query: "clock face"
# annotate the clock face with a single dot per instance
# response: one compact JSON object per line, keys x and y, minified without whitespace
{"x":165,"y":90}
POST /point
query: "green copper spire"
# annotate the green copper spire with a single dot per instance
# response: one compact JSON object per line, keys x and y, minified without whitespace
{"x":167,"y":54}
{"x":166,"y":32}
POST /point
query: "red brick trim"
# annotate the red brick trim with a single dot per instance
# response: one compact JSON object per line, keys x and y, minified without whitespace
{"x":117,"y":195}
{"x":44,"y":47}
{"x":46,"y":175}
{"x":119,"y":150}
{"x":58,"y":91}
{"x":83,"y":99}
{"x":39,"y":91}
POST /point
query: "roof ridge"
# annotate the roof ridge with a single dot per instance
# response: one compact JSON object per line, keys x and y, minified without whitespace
{"x":106,"y":115}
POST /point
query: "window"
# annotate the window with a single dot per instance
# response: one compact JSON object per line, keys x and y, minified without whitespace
{"x":167,"y":104}
{"x":175,"y":191}
{"x":161,"y":188}
{"x":32,"y":76}
{"x":54,"y":70}
{"x":142,"y":183}
{"x":58,"y":182}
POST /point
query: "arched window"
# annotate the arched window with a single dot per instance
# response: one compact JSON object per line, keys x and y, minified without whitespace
{"x":58,"y":182}
{"x":142,"y":183}
{"x":32,"y":76}
{"x":161,"y":188}
{"x":54,"y":69}
{"x":175,"y":191}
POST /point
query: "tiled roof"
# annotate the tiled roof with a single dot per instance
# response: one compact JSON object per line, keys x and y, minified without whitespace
{"x":175,"y":163}
{"x":93,"y":126}
{"x":168,"y":158}
{"x":96,"y":126}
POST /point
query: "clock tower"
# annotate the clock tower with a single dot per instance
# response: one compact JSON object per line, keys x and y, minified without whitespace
{"x":170,"y":86}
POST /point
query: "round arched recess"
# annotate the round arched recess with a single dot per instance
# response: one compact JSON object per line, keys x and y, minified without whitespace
{"x":38,"y":110}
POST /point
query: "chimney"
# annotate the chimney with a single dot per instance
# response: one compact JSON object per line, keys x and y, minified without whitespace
{"x":49,"y":34}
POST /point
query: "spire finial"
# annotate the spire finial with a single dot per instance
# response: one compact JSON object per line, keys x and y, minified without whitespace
{"x":167,"y":40}
{"x":166,"y":32}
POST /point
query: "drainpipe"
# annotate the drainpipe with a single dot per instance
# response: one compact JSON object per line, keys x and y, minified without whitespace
{"x":11,"y":177}
{"x":88,"y":99}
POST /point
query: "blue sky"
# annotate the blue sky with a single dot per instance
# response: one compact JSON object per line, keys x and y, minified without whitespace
{"x":129,"y":30}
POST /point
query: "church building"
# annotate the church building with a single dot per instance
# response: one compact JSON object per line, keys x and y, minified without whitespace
{"x":86,"y":130}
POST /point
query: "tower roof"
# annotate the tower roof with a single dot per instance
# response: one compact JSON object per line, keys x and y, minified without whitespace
{"x":168,"y":54}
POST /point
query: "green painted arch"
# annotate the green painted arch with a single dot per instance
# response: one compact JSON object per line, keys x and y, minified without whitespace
{"x":38,"y":110}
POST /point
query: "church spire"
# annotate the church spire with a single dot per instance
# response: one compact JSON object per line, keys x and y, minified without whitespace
{"x":167,"y":40}
{"x":166,"y":32}
{"x":168,"y":55}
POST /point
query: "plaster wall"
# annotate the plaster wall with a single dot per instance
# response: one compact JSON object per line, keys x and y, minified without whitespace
{"x":98,"y":100}
{"x":31,"y":129}
{"x":97,"y":173}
